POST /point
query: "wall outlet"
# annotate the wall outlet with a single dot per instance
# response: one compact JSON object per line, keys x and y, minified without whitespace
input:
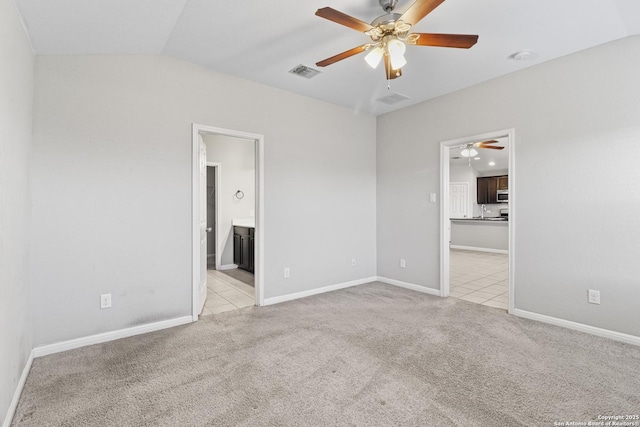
{"x":287,"y":273}
{"x":105,"y":301}
{"x":403,"y":263}
{"x":594,"y":297}
{"x":432,"y":197}
{"x":353,"y":262}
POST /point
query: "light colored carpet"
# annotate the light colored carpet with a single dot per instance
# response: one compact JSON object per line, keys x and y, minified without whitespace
{"x":372,"y":355}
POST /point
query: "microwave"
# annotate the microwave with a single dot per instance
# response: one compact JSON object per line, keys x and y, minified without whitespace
{"x":502,"y":196}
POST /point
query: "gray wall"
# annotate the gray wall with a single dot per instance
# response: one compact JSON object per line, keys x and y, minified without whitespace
{"x":112,"y":168}
{"x":238,"y":172}
{"x":577,"y":124}
{"x":16,"y":103}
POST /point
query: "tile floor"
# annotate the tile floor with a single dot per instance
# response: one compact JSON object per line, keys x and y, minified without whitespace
{"x":480,"y":277}
{"x":224,"y":293}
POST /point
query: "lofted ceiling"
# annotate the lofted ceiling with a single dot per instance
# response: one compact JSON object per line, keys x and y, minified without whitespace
{"x":262,"y":40}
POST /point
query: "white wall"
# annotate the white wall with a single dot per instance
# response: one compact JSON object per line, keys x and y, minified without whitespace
{"x":16,"y":104}
{"x":577,"y":126}
{"x":237,"y":166}
{"x":112,"y":195}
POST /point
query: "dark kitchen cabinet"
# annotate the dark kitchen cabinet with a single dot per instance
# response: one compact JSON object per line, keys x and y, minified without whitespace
{"x":503,"y":182}
{"x":243,"y":247}
{"x":488,"y":186}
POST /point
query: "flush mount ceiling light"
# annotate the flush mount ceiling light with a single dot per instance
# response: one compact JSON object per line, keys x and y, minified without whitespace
{"x":492,"y":163}
{"x":389,"y":34}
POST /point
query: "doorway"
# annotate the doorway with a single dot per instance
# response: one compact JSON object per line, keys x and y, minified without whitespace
{"x":200,"y":200}
{"x":213,"y":170}
{"x":482,"y":271}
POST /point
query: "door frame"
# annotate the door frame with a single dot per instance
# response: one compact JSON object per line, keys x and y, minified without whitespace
{"x":445,"y":222}
{"x":258,"y":139}
{"x":217,"y":166}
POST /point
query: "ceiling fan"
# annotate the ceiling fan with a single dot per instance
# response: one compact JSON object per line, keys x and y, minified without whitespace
{"x":469,"y":150}
{"x":390,"y":32}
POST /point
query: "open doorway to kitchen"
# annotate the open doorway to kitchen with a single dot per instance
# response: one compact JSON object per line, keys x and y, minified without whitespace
{"x":228,"y":189}
{"x":477,"y":215}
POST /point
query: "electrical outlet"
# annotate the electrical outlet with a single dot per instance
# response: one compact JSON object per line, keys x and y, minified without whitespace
{"x":105,"y":301}
{"x":403,"y":263}
{"x":287,"y":273}
{"x":353,"y":262}
{"x":432,"y":197}
{"x":594,"y":297}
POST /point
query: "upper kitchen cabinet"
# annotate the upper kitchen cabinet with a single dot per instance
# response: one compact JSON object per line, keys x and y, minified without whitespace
{"x":488,"y":186}
{"x":503,"y":182}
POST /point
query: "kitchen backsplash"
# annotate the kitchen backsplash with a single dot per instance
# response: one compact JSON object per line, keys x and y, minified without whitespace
{"x":491,"y":210}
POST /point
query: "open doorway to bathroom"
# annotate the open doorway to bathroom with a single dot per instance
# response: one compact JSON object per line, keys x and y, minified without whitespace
{"x":477,"y":219}
{"x":228,"y":191}
{"x":231,"y":202}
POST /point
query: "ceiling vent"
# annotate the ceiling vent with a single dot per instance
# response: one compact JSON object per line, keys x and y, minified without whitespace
{"x":394,"y":98}
{"x":304,"y":71}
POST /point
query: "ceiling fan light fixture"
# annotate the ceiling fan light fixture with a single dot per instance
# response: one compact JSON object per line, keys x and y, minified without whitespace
{"x":397,"y":61}
{"x":396,"y":51}
{"x":468,"y":152}
{"x":374,"y":57}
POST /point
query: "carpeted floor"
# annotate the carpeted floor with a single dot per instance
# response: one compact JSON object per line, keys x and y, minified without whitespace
{"x":372,"y":355}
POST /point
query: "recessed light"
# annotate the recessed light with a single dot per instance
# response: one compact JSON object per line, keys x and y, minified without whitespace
{"x":524,"y":55}
{"x":476,"y":158}
{"x":492,"y":163}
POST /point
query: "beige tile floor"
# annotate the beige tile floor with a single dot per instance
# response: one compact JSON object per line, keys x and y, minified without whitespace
{"x":224,"y":293}
{"x":480,"y":277}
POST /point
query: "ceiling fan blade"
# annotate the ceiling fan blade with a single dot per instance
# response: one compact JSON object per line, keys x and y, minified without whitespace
{"x":490,"y":146}
{"x":491,"y":141}
{"x":343,"y":19}
{"x":390,"y":73}
{"x":419,"y":10}
{"x":463,"y":41}
{"x":341,"y":56}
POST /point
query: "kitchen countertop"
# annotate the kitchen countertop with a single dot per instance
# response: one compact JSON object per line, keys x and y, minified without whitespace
{"x":244,"y":222}
{"x":489,"y":219}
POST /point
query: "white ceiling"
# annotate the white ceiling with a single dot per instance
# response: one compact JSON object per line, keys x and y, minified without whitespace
{"x":262,"y":40}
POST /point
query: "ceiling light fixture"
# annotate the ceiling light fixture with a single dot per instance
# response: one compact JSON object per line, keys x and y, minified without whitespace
{"x":390,"y":47}
{"x":492,"y":163}
{"x":374,"y":57}
{"x":389,"y":34}
{"x":469,"y":152}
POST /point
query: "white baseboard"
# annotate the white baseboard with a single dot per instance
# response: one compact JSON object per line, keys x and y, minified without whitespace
{"x":109,"y":336}
{"x":606,"y":333}
{"x":227,"y":267}
{"x":411,"y":286}
{"x":16,"y":394}
{"x":473,"y":248}
{"x":289,"y":297}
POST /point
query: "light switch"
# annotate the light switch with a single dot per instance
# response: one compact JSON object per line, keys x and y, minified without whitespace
{"x":432,"y":197}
